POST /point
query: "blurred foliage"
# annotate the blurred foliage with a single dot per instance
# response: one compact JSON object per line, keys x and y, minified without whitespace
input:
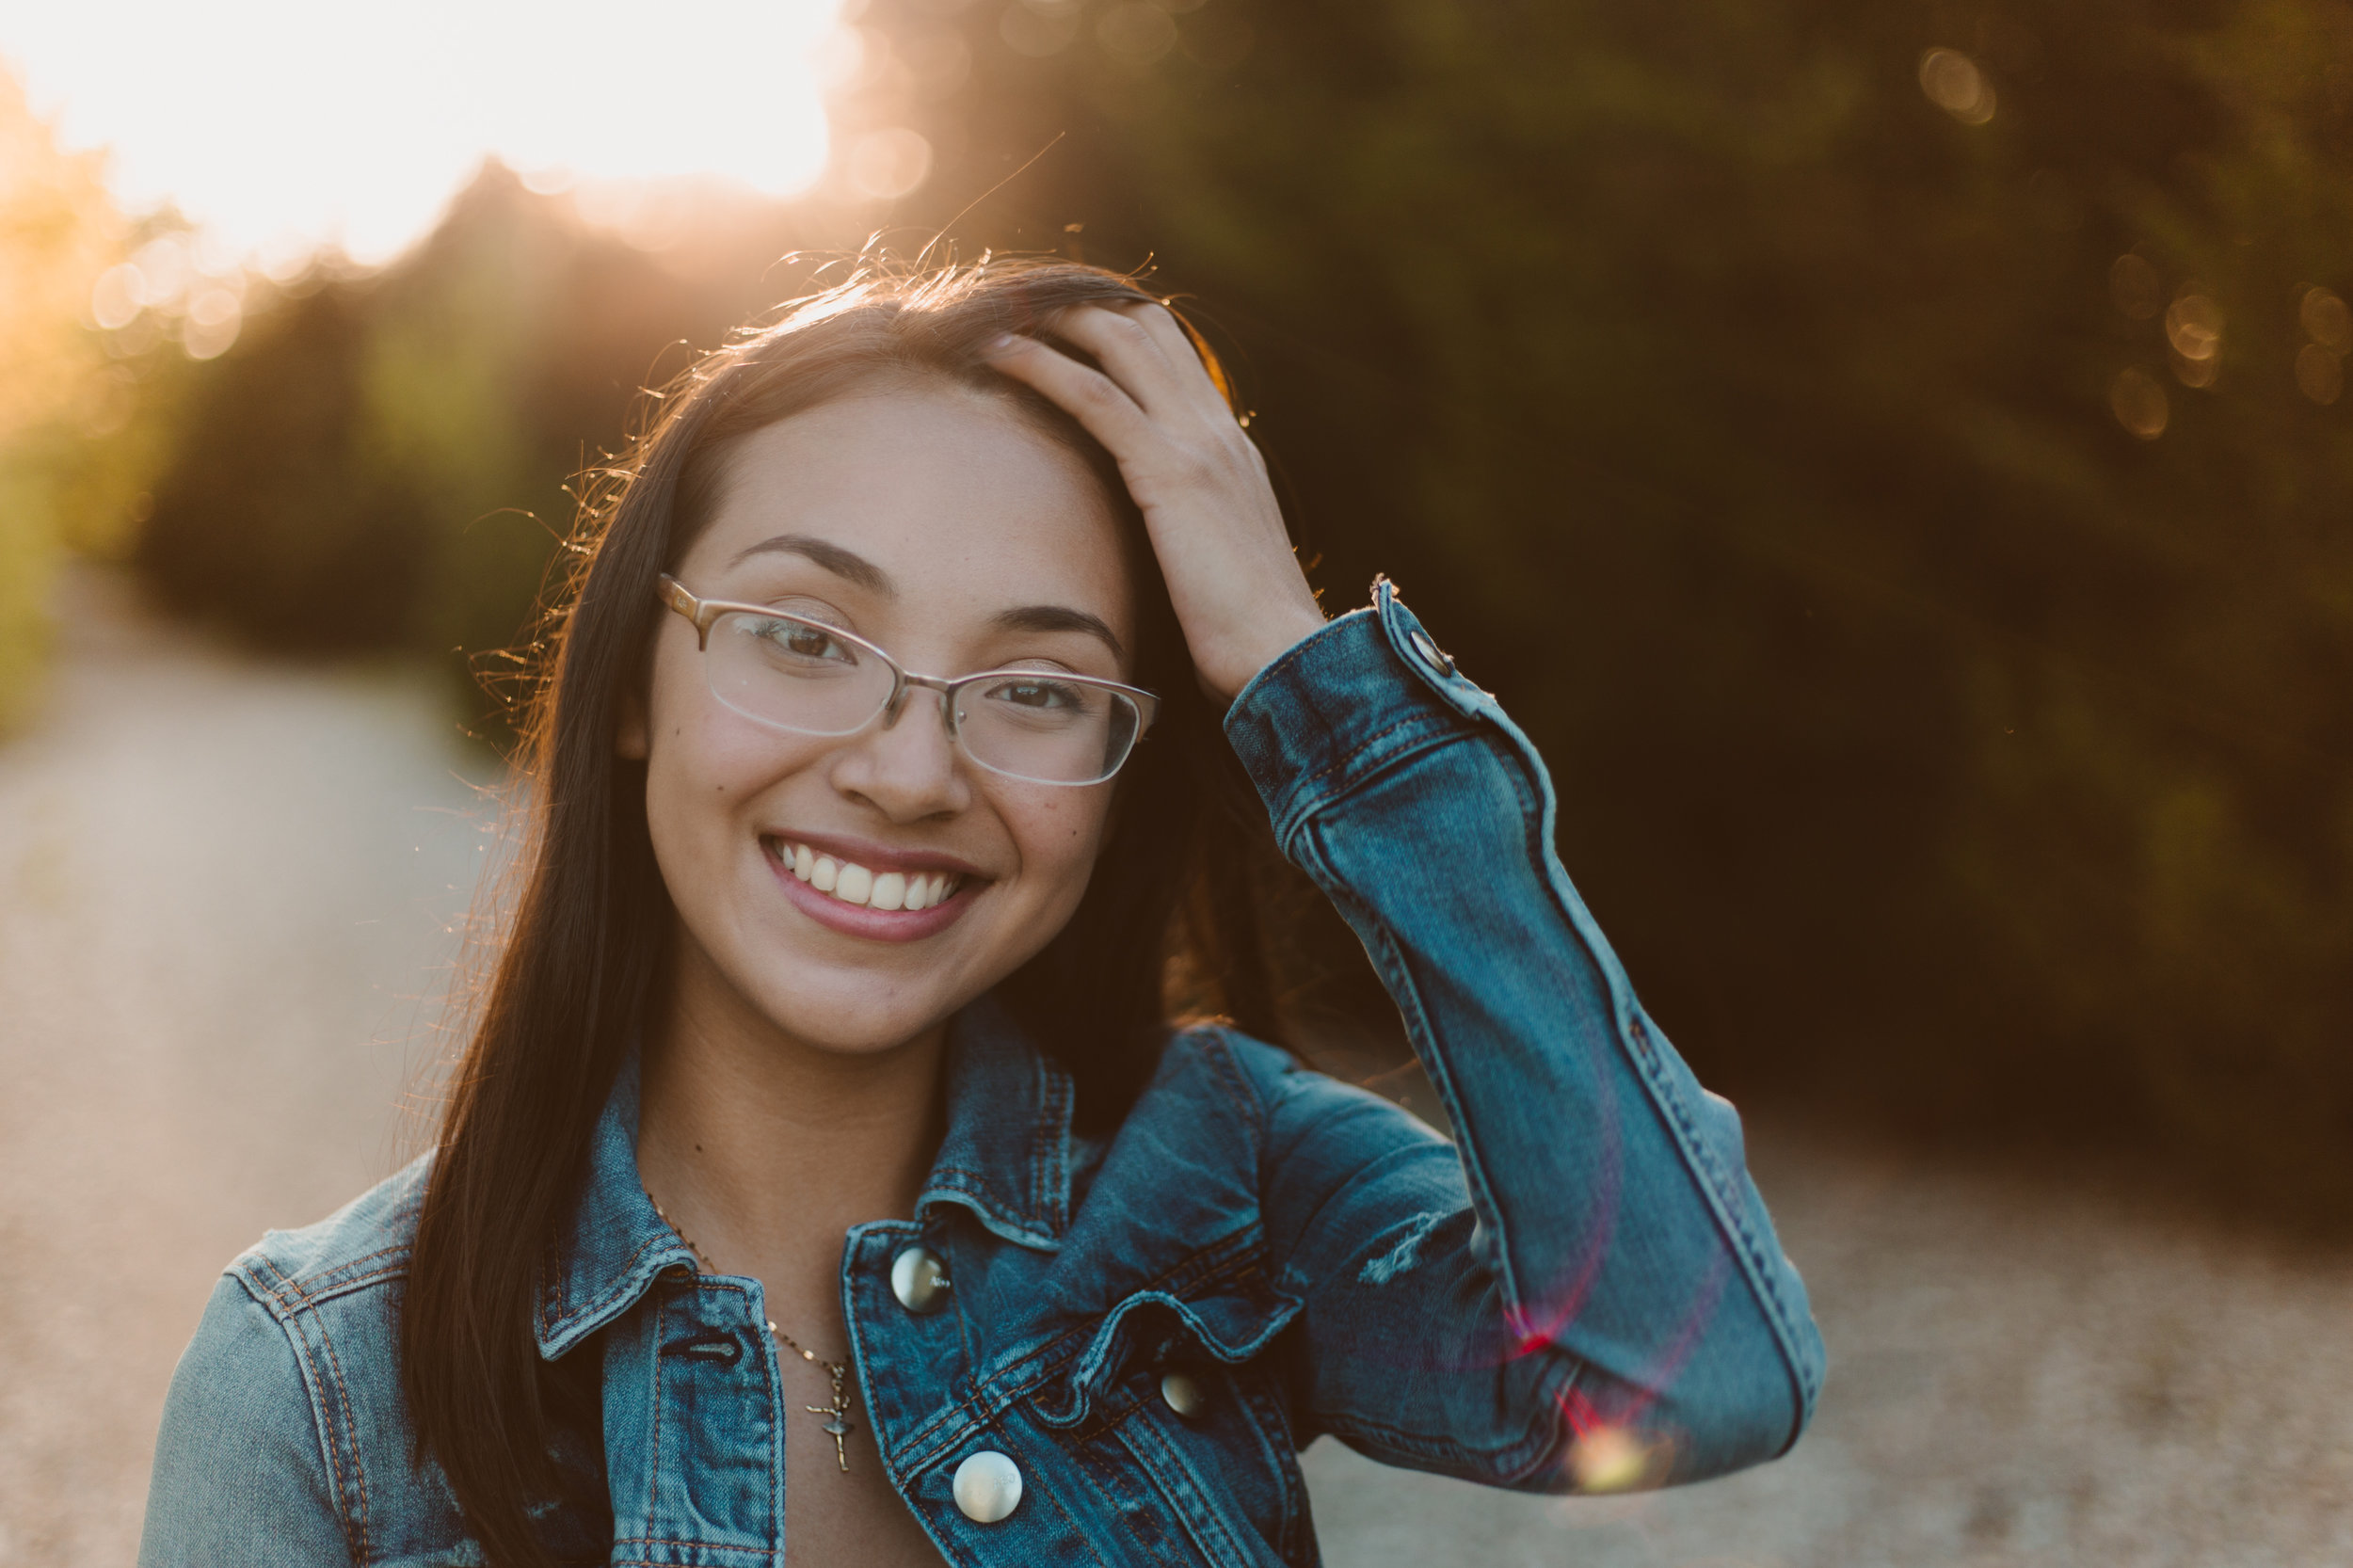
{"x":1890,"y":457}
{"x":384,"y":461}
{"x":1754,"y":395}
{"x":62,"y":403}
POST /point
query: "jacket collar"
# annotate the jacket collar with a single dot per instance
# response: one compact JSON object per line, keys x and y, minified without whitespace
{"x":1006,"y":1158}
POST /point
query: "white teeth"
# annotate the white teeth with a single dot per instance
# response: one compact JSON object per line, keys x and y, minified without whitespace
{"x":854,"y":883}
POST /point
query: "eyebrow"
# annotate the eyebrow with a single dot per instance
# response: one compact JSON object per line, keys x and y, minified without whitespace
{"x":847,"y":565}
{"x":853,"y":567}
{"x":1057,"y":618}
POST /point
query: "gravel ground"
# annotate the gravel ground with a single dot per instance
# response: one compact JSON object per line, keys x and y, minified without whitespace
{"x":228,"y":898}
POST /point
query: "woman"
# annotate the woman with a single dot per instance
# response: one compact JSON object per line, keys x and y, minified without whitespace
{"x":822,"y":1182}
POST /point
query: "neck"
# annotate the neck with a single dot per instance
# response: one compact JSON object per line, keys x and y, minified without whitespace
{"x":765,"y":1149}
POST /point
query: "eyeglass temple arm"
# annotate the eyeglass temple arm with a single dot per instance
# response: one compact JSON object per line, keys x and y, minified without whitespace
{"x":674,"y":595}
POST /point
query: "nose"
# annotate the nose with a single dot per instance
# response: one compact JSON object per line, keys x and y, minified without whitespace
{"x":908,"y":772}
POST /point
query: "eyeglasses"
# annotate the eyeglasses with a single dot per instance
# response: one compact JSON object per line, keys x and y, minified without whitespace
{"x":807,"y":677}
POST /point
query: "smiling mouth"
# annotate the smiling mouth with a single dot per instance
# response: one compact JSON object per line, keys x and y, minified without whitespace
{"x":849,"y":883}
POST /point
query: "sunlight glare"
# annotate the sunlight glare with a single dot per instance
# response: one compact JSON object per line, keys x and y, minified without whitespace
{"x":272,"y":124}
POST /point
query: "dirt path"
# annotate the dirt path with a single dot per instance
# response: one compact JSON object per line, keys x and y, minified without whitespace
{"x":228,"y":893}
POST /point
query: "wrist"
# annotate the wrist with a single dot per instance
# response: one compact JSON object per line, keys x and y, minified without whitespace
{"x":1269,"y":638}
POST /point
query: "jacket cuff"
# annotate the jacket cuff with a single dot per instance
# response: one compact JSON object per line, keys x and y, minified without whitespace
{"x":1346,"y":702}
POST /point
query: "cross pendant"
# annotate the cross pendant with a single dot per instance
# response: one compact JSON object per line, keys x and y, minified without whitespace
{"x":837,"y":1425}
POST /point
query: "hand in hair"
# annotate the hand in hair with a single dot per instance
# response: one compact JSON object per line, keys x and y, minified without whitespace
{"x":1199,"y":480}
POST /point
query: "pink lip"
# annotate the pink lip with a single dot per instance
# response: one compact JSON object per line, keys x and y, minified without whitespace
{"x":855,"y":919}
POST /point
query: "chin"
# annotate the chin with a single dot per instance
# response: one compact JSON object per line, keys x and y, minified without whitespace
{"x":858,"y":1025}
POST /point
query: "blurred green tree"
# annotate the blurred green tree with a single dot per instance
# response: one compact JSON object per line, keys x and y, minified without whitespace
{"x":1894,"y":458}
{"x":62,"y":401}
{"x":384,"y":461}
{"x":1890,"y":456}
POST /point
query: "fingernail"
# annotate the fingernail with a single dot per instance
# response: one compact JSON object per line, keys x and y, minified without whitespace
{"x":1001,"y":344}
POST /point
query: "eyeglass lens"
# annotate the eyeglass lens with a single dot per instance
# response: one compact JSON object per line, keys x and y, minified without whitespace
{"x":797,"y":675}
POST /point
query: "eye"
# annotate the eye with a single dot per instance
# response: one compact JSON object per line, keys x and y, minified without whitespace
{"x":803,"y":643}
{"x":1039,"y":695}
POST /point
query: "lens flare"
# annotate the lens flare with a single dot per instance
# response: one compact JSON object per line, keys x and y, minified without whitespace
{"x":352,"y":125}
{"x":1608,"y":1459}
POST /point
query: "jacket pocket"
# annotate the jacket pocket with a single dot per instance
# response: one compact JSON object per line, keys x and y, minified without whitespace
{"x":1158,"y":1329}
{"x":1216,"y":1484}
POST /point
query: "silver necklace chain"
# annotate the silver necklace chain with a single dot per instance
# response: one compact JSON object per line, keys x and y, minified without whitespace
{"x":837,"y":1424}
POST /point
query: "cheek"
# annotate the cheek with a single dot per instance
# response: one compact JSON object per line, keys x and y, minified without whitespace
{"x":1060,"y":840}
{"x":703,"y":761}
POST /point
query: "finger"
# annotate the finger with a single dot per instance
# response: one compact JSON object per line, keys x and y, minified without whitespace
{"x":1100,"y":405}
{"x":1184,"y":349}
{"x":1133,"y":357}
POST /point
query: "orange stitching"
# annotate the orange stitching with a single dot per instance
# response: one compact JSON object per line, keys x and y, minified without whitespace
{"x":310,"y":1379}
{"x":598,"y":1302}
{"x":351,"y":1426}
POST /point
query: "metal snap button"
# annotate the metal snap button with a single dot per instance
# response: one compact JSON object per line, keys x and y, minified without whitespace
{"x":988,"y":1487}
{"x":1184,"y":1396}
{"x":1429,"y":652}
{"x":920,"y":1280}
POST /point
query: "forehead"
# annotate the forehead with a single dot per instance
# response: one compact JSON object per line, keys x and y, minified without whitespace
{"x":961,"y":501}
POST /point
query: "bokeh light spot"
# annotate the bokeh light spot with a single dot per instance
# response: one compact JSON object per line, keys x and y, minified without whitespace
{"x":1954,"y":83}
{"x":215,"y":318}
{"x":885,"y":164}
{"x":2193,"y":325}
{"x":940,"y":61}
{"x":1036,"y":29}
{"x":2135,"y":286}
{"x":1137,"y":31}
{"x":167,"y":267}
{"x":2319,"y":375}
{"x":2326,"y":319}
{"x":2139,"y":403}
{"x":849,"y":59}
{"x":116,"y":299}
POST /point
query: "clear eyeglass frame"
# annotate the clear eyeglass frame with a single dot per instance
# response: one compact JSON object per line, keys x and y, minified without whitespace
{"x":705,"y":613}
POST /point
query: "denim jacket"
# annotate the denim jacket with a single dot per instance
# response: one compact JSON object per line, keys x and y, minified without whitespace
{"x":1145,"y":1329}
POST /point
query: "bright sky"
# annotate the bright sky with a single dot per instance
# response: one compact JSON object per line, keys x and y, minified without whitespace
{"x":270,"y":121}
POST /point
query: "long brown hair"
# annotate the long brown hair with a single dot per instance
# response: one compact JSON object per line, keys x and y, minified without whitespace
{"x":581,"y":967}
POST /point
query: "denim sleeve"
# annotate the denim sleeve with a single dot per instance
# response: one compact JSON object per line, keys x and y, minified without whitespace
{"x":240,"y":1475}
{"x":1586,"y":1290}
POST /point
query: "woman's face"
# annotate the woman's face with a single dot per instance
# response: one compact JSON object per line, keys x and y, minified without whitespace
{"x":938,"y":525}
